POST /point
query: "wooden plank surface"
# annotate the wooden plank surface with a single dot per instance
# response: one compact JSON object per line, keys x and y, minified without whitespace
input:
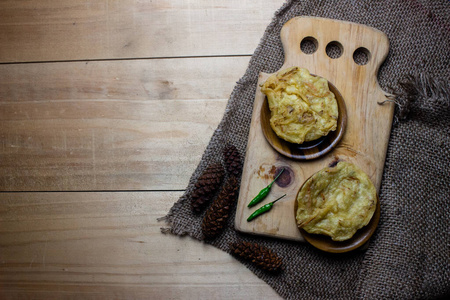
{"x":107,"y":245}
{"x":114,"y":95}
{"x":368,"y":124}
{"x":114,"y":125}
{"x":105,"y":29}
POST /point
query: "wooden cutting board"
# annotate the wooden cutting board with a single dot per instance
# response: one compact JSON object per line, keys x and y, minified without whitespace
{"x":366,"y":137}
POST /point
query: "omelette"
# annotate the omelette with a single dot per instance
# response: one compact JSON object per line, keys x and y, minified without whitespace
{"x":302,"y":107}
{"x":336,"y":201}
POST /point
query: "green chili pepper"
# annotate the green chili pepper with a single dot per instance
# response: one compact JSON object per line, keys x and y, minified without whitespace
{"x":263,"y":209}
{"x":263,"y":193}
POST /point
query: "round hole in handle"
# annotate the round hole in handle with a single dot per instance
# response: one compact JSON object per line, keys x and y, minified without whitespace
{"x":334,"y":49}
{"x":361,"y":56}
{"x":309,"y":45}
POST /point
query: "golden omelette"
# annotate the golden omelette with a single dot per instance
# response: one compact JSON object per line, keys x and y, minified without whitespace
{"x":302,"y":106}
{"x":336,"y":201}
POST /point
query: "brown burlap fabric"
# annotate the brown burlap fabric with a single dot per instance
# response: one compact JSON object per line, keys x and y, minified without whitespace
{"x":408,"y":257}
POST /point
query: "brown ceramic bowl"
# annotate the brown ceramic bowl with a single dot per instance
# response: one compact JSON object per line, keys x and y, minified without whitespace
{"x":307,"y":150}
{"x":325,"y":243}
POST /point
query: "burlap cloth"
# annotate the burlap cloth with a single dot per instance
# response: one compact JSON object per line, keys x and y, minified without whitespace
{"x":408,"y":257}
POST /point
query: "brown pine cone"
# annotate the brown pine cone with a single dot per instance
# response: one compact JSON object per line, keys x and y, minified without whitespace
{"x":259,"y":255}
{"x":233,"y":162}
{"x":217,"y":214}
{"x":205,"y":187}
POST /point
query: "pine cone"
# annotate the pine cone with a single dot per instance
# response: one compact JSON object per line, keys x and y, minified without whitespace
{"x":233,"y":162}
{"x":217,"y":214}
{"x":205,"y":187}
{"x":259,"y":255}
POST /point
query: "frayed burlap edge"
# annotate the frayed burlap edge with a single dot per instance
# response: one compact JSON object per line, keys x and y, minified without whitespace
{"x":422,"y":90}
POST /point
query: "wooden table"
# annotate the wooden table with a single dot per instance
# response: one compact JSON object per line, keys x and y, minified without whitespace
{"x":105,"y":110}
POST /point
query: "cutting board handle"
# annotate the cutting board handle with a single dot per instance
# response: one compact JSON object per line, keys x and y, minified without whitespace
{"x":351,"y":40}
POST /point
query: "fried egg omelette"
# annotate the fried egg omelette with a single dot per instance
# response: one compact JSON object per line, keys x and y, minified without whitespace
{"x":302,"y":106}
{"x":336,"y":201}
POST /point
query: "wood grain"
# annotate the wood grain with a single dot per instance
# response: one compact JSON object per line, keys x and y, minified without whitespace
{"x":106,"y":29}
{"x":137,"y":115}
{"x":109,"y":245}
{"x":368,"y":126}
{"x":129,"y":125}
